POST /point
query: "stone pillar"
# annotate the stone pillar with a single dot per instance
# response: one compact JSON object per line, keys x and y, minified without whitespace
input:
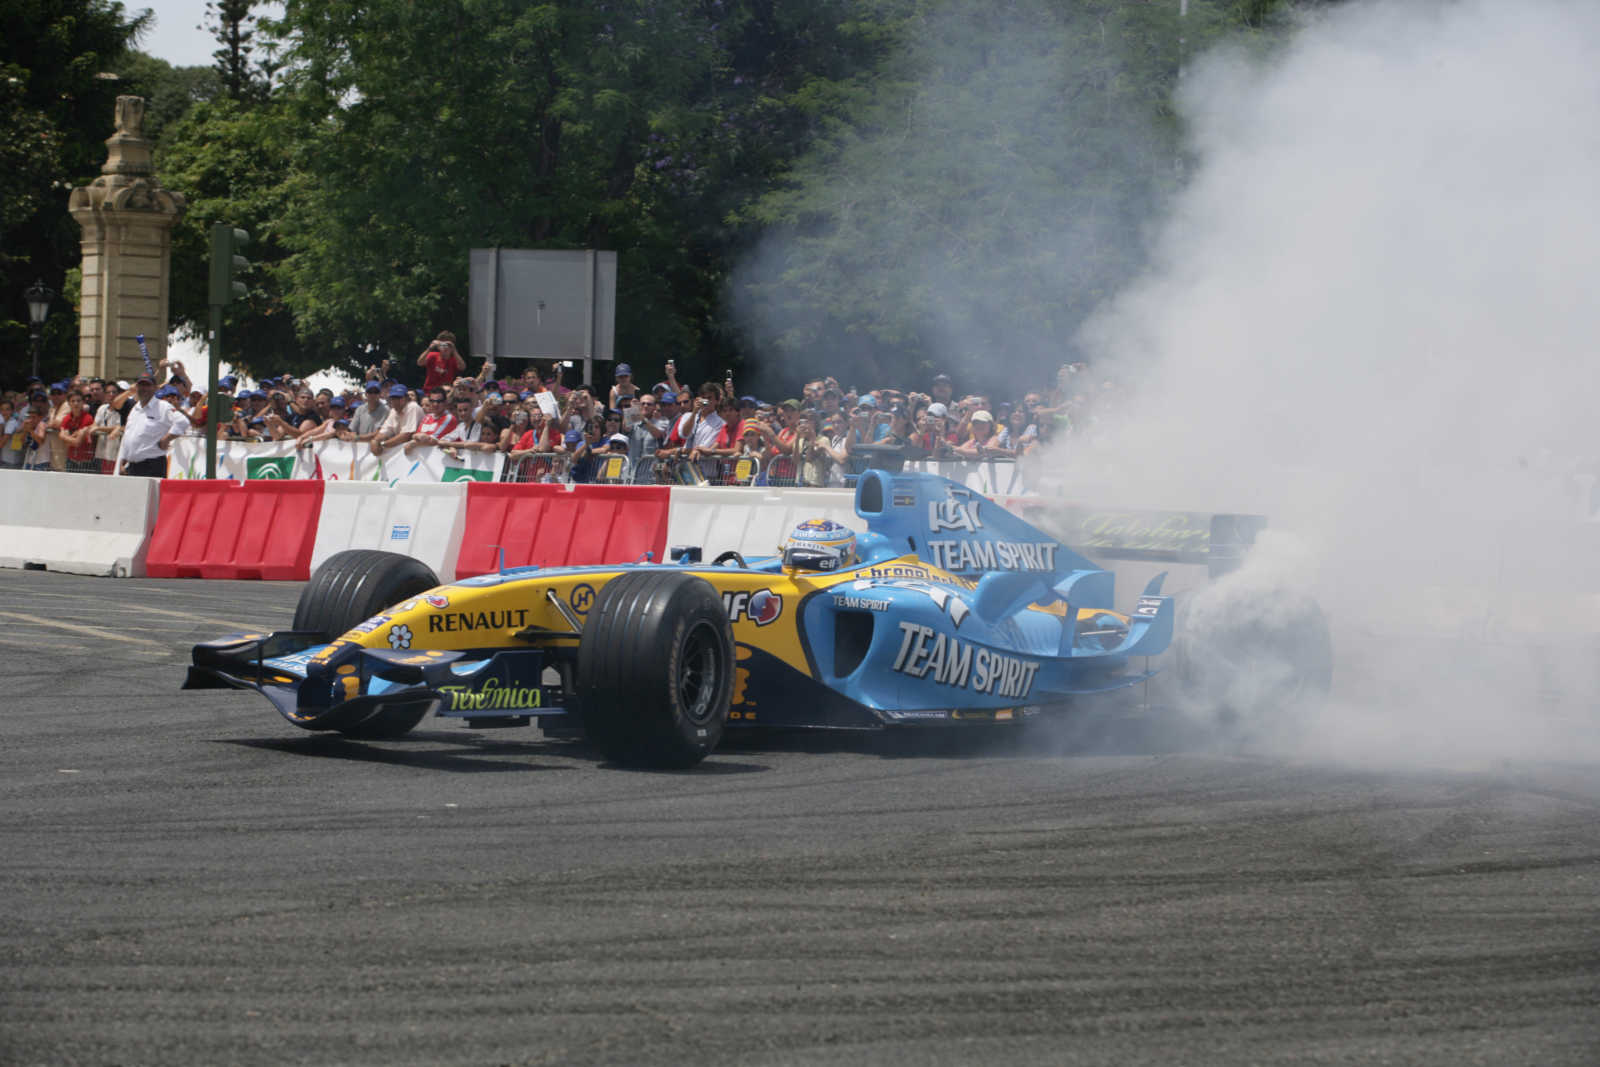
{"x":127,"y":219}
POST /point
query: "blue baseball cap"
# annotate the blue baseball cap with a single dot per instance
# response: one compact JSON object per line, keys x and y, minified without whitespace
{"x":336,"y":402}
{"x":749,"y":402}
{"x":58,"y":387}
{"x":868,"y":401}
{"x":165,"y":390}
{"x":374,"y":387}
{"x":228,"y":382}
{"x":574,"y":436}
{"x":669,"y":398}
{"x":397,"y":390}
{"x":623,"y":368}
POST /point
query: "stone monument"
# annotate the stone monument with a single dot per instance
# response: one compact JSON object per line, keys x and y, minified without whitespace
{"x":127,"y":219}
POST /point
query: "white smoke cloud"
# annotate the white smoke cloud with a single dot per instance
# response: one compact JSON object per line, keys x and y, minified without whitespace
{"x":1374,"y":318}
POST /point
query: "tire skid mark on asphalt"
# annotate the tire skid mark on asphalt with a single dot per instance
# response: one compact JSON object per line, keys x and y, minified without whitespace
{"x":91,"y":631}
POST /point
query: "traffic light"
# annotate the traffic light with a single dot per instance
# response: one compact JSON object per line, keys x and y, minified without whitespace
{"x":226,"y":263}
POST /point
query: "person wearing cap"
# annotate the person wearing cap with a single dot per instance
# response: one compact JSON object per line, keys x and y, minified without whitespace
{"x":109,"y":417}
{"x":399,"y":424}
{"x":932,"y":436}
{"x":54,"y":449}
{"x":625,"y":387}
{"x":983,"y":444}
{"x":369,"y":415}
{"x":331,"y":418}
{"x":441,"y":362}
{"x":152,"y":425}
{"x":942,"y":389}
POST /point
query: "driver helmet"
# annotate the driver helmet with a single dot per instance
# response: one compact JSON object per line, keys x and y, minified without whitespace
{"x":819,"y":545}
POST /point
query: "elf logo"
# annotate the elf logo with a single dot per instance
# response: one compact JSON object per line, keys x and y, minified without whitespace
{"x":958,"y":511}
{"x":761,"y":607}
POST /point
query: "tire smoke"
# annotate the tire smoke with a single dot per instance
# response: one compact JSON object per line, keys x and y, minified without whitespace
{"x":1372,"y":317}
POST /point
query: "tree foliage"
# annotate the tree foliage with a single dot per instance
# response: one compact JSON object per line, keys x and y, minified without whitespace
{"x":877,"y":186}
{"x":57,"y":100}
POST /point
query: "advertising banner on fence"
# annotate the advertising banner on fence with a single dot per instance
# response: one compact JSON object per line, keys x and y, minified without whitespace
{"x":345,"y":461}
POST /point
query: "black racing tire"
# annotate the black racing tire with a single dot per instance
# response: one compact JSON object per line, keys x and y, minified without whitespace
{"x":351,"y":587}
{"x":356,"y":584}
{"x":1250,"y":662}
{"x":655,"y":669}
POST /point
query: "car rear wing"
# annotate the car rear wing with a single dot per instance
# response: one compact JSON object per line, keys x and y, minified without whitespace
{"x":1220,"y":542}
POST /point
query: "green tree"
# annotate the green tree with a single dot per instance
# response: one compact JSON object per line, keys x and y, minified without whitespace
{"x":229,"y":158}
{"x":57,"y":99}
{"x":967,"y":202}
{"x":232,"y":23}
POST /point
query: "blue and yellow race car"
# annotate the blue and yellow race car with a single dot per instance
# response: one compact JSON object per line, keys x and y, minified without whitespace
{"x":944,"y":609}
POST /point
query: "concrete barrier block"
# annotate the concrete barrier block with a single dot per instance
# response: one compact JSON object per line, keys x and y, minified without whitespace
{"x":418,"y":519}
{"x":77,"y":523}
{"x":753,"y":521}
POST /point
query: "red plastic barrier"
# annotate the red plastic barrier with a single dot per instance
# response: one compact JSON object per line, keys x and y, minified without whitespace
{"x":559,"y":525}
{"x":224,"y":529}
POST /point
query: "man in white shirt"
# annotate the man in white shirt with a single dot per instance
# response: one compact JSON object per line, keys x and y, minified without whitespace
{"x":698,"y":431}
{"x":149,"y":431}
{"x":402,"y":421}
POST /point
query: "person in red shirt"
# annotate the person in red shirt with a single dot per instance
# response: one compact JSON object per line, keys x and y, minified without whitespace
{"x":441,"y":361}
{"x":437,"y":420}
{"x":76,"y":437}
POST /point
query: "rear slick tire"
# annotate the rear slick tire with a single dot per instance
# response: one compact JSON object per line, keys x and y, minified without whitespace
{"x":655,"y":669}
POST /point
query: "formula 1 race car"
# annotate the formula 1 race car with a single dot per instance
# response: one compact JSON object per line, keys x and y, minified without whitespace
{"x":947,"y":610}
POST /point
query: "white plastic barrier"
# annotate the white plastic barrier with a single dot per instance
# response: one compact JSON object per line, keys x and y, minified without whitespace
{"x":418,"y":519}
{"x":753,"y":521}
{"x":78,"y":523}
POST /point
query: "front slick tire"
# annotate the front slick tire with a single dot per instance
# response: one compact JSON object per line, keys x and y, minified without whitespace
{"x":655,"y":669}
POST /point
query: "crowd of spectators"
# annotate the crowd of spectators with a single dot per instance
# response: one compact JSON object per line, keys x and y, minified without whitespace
{"x":671,"y":431}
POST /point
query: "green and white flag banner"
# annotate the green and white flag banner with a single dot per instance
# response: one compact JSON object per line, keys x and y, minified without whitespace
{"x":348,"y":461}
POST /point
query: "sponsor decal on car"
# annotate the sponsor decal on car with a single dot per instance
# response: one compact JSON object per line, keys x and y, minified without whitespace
{"x":860,"y":603}
{"x":457,"y":621}
{"x":295,"y":662}
{"x":958,"y":511}
{"x":892,"y":714}
{"x":761,"y":607}
{"x":400,"y":636}
{"x":437,"y":600}
{"x":945,"y":659}
{"x":369,"y":625}
{"x":582,"y":598}
{"x":958,"y":555}
{"x":947,"y":601}
{"x":492,"y":695}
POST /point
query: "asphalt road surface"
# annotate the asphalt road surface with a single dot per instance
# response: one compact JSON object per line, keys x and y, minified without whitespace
{"x":188,"y":879}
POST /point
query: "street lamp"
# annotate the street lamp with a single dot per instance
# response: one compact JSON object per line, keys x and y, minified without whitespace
{"x":38,"y":295}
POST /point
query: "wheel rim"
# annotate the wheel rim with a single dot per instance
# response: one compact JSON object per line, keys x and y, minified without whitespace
{"x":699,"y":672}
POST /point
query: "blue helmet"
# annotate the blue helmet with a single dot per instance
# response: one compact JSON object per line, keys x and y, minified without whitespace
{"x":819,"y":545}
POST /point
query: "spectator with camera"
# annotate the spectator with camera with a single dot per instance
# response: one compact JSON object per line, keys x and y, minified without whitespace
{"x":440,"y":361}
{"x":982,"y":442}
